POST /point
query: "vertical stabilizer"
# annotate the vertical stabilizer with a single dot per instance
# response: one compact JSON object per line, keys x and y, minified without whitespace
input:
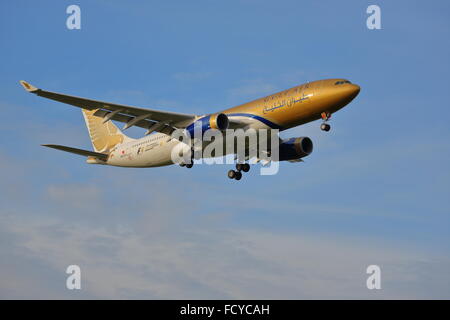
{"x":104,"y":136}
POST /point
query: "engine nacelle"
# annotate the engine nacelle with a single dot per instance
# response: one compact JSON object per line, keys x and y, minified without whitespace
{"x":295,"y":148}
{"x":217,"y":121}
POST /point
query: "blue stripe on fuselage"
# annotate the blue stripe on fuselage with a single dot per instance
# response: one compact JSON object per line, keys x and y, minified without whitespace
{"x":259,"y":118}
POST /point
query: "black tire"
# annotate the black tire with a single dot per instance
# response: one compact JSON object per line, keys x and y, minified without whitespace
{"x":325,"y":127}
{"x":189,"y":165}
{"x":246,"y":167}
{"x":238,"y":175}
{"x":182,"y":164}
{"x":231,"y":174}
{"x":239,"y":166}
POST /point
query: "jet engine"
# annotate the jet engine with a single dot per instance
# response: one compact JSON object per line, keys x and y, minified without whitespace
{"x":295,"y":148}
{"x":214,"y":121}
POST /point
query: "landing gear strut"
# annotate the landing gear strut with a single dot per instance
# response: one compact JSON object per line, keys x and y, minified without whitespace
{"x":189,"y":165}
{"x":325,"y":117}
{"x":240,"y":167}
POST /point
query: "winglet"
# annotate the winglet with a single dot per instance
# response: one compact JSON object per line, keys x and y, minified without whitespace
{"x":28,"y":87}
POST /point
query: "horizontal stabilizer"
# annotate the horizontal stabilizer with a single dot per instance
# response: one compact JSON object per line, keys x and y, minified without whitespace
{"x":100,"y":156}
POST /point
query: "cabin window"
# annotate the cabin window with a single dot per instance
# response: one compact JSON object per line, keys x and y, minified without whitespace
{"x":342,"y":82}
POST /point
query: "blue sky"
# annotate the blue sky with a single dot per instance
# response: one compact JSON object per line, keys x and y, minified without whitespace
{"x":374,"y":191}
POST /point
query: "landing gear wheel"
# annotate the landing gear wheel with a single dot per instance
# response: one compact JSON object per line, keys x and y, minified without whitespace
{"x":243,"y":167}
{"x":238,"y":175}
{"x":182,"y":164}
{"x":325,"y":127}
{"x":231,"y":174}
{"x":189,"y":165}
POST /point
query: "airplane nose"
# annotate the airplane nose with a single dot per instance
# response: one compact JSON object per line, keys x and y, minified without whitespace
{"x":346,"y":93}
{"x":352,"y":91}
{"x":355,"y":89}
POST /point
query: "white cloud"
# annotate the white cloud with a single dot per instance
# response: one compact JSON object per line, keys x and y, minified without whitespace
{"x":81,"y":197}
{"x":155,"y":257}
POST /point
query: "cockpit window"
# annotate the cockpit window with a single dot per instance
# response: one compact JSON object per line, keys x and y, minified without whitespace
{"x":342,"y":82}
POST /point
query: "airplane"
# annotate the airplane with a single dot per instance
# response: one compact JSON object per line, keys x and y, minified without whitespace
{"x":283,"y":110}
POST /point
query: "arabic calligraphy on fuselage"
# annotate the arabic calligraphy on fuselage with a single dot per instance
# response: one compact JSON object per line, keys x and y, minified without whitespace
{"x":268,"y":109}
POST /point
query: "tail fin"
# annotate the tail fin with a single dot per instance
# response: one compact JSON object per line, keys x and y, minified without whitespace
{"x":104,"y":136}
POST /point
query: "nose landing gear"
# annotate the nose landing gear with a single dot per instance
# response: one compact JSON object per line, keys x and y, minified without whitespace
{"x":325,"y":127}
{"x":240,"y":167}
{"x":325,"y":117}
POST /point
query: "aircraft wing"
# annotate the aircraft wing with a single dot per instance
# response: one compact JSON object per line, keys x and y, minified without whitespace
{"x":153,"y":120}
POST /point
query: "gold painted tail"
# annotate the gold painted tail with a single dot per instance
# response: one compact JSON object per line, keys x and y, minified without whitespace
{"x":104,"y":136}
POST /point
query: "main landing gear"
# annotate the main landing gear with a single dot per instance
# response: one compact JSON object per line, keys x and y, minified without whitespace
{"x":232,"y":174}
{"x":187,"y":165}
{"x":325,"y":117}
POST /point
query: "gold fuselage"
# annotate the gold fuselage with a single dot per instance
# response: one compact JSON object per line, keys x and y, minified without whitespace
{"x":300,"y":104}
